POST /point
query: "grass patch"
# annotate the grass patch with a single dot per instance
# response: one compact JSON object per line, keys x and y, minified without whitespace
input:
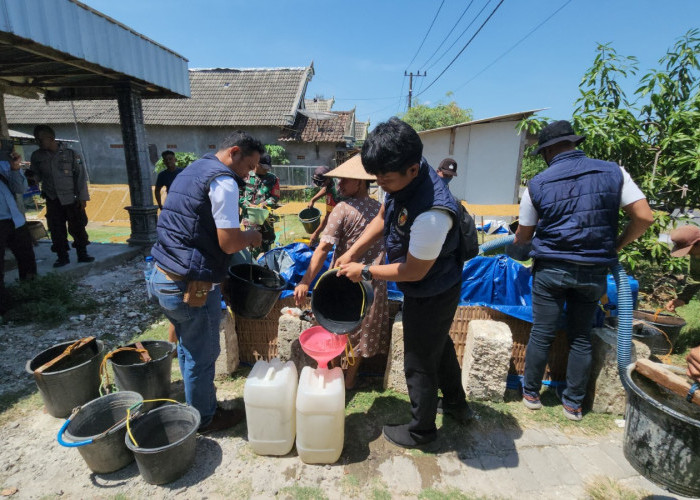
{"x":605,"y":488}
{"x":18,"y":404}
{"x":108,"y":234}
{"x":451,"y":494}
{"x":48,"y":300}
{"x":304,"y":493}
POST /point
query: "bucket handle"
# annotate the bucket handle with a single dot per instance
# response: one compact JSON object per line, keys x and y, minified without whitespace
{"x":62,"y":430}
{"x":138,"y":405}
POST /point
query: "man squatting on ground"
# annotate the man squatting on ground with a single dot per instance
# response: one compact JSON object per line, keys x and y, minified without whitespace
{"x":686,"y":241}
{"x":198,"y":229}
{"x":421,"y":238}
{"x":572,"y":208}
{"x":63,"y":178}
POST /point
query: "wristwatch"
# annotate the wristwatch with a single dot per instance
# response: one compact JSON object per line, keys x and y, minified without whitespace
{"x":366,"y":274}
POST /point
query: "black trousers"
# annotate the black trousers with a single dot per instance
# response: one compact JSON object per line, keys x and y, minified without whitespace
{"x":57,"y":217}
{"x":20,"y":243}
{"x":430,"y":360}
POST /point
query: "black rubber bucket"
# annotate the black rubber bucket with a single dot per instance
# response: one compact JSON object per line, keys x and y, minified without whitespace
{"x":167,"y":438}
{"x":662,"y":434}
{"x":338,"y":304}
{"x":310,"y":218}
{"x":65,"y":389}
{"x":98,"y":430}
{"x":658,"y":331}
{"x":152,"y":379}
{"x":253,"y":289}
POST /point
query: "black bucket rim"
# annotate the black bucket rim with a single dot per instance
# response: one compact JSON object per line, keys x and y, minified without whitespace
{"x":631,"y":385}
{"x":676,"y":319}
{"x":100,"y":350}
{"x":279,"y":288}
{"x":342,"y":327}
{"x":316,"y":211}
{"x":168,"y":407}
{"x":72,"y":438}
{"x":145,"y":342}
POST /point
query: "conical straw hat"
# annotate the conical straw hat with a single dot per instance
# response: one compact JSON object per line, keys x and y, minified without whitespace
{"x":351,"y":169}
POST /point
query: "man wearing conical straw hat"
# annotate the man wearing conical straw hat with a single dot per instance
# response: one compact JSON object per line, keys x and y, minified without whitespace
{"x":345,"y":224}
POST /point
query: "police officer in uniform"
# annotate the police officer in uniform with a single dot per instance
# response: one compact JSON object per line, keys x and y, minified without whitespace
{"x":63,"y":178}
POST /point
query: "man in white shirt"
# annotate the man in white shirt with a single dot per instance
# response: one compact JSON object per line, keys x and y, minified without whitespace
{"x":573,"y":207}
{"x":198,"y":229}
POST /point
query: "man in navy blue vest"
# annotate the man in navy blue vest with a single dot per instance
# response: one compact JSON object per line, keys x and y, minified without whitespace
{"x":571,"y":209}
{"x":418,"y":223}
{"x":198,"y":229}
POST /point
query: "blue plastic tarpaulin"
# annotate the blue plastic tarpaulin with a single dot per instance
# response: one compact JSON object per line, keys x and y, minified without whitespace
{"x":500,"y":283}
{"x":291,"y":262}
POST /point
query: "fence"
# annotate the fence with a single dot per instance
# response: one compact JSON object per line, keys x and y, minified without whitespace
{"x":294,"y":175}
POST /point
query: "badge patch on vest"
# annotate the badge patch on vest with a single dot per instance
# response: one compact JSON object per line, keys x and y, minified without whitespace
{"x":403,"y":217}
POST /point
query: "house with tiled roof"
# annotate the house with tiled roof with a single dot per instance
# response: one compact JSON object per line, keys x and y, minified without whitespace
{"x":319,"y":104}
{"x":264,"y":102}
{"x":361,"y":129}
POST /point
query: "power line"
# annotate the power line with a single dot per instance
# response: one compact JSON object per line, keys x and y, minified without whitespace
{"x":426,"y":35}
{"x":515,"y":45}
{"x":463,"y":48}
{"x":448,"y":35}
{"x":460,"y":35}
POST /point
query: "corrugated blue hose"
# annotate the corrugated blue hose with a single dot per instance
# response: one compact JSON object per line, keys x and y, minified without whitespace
{"x":624,"y":307}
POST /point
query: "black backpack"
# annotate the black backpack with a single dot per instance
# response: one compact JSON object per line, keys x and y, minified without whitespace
{"x":468,"y":240}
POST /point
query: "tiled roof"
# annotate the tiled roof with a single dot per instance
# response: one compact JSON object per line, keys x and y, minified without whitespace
{"x":361,"y":130}
{"x":316,"y":104}
{"x":311,"y":130}
{"x":220,"y":97}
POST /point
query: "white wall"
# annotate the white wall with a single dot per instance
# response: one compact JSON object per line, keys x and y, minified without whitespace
{"x":488,"y":160}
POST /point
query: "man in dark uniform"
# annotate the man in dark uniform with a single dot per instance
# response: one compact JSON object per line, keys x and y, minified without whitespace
{"x":418,"y":221}
{"x":262,"y":188}
{"x":63,"y":178}
{"x":167,"y":176}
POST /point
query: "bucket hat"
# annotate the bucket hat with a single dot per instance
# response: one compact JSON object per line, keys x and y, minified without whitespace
{"x":265,"y":161}
{"x":683,"y":239}
{"x":448,"y":167}
{"x":555,"y":132}
{"x":352,"y":169}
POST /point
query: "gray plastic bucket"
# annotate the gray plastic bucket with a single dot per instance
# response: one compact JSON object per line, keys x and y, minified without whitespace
{"x":98,"y":430}
{"x":662,"y":434}
{"x":167,"y":439}
{"x":63,"y":390}
{"x":310,"y":218}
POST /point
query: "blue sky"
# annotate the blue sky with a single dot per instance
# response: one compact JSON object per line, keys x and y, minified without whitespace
{"x":361,"y":49}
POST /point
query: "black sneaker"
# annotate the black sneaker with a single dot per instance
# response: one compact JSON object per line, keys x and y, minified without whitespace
{"x":461,"y":412}
{"x":84,"y":257}
{"x":61,"y":261}
{"x":399,"y":435}
{"x":222,"y":420}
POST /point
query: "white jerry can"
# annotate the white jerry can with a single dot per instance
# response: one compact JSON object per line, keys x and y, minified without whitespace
{"x":320,"y":415}
{"x":269,"y":395}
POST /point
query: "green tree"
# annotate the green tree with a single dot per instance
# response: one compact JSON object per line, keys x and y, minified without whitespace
{"x":424,"y":117}
{"x":183,"y":159}
{"x":655,"y":135}
{"x":277,"y":153}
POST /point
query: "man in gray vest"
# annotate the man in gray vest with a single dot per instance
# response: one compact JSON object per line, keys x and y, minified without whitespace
{"x":63,"y":178}
{"x":574,"y":207}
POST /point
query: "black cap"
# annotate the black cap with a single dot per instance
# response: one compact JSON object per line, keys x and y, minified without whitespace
{"x":265,"y":161}
{"x":555,"y":132}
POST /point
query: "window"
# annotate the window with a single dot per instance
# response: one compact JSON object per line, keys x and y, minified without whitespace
{"x":212,"y":146}
{"x":116,"y":146}
{"x":301,"y":157}
{"x":171,"y":146}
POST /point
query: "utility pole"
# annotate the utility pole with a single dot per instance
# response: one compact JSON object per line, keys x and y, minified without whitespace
{"x":410,"y":84}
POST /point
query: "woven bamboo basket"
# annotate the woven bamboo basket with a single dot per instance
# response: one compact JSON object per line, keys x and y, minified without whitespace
{"x":558,"y":354}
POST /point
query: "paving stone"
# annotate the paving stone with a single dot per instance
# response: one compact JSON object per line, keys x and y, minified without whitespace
{"x":563,"y":470}
{"x":582,"y":465}
{"x":532,"y":437}
{"x":541,"y":465}
{"x":521,"y":473}
{"x":596,"y":455}
{"x":614,"y":451}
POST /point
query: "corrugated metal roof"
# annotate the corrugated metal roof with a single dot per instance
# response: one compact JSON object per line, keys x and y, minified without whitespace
{"x":503,"y":118}
{"x":63,"y":46}
{"x":220,"y":97}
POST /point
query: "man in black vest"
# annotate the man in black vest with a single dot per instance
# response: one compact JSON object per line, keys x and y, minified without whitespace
{"x":574,"y":207}
{"x":421,"y":235}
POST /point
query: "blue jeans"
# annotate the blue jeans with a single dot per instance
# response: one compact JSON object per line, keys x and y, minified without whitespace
{"x":555,"y":283}
{"x":197,"y":330}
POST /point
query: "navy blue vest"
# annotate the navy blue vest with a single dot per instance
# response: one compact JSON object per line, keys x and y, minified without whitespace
{"x":188,"y":244}
{"x":577,"y":199}
{"x":424,"y":192}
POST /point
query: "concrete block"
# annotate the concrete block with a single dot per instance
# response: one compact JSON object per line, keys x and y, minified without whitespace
{"x":605,"y":393}
{"x":394,"y":376}
{"x":228,"y":359}
{"x":288,"y":348}
{"x":486,"y":360}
